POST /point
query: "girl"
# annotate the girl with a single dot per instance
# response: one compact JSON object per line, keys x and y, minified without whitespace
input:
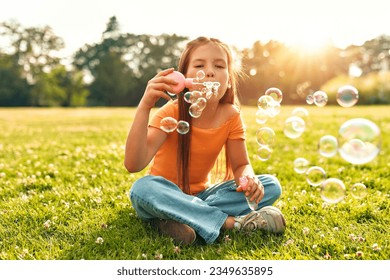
{"x":176,"y":195}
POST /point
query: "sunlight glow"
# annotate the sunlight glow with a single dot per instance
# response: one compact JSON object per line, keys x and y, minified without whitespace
{"x":311,"y":43}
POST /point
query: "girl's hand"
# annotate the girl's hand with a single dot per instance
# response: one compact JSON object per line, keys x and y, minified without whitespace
{"x":157,"y":88}
{"x":254,"y":189}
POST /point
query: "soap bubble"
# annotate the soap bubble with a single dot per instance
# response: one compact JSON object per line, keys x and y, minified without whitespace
{"x":301,"y":165}
{"x":183,"y":127}
{"x":264,"y":153}
{"x":309,"y":99}
{"x":300,"y":112}
{"x":265,"y":102}
{"x":275,"y":93}
{"x":200,"y":75}
{"x":215,"y":87}
{"x":195,"y":111}
{"x":294,"y":127}
{"x":320,"y":98}
{"x":188,"y":97}
{"x":173,"y":96}
{"x":359,"y":191}
{"x":274,"y":109}
{"x":168,"y":124}
{"x":347,"y":96}
{"x":332,"y":190}
{"x":359,"y":141}
{"x":201,"y":102}
{"x":315,"y":175}
{"x":265,"y":136}
{"x":327,"y":146}
{"x":261,"y":116}
{"x":192,"y":96}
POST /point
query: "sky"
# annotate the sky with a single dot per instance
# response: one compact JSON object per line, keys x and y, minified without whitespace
{"x":308,"y":23}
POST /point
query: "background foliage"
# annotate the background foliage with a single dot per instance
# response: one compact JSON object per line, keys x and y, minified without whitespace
{"x":115,"y":70}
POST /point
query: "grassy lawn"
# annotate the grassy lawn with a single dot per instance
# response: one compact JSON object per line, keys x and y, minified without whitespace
{"x":64,"y":191}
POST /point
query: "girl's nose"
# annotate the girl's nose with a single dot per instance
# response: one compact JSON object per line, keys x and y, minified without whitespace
{"x":210,"y":73}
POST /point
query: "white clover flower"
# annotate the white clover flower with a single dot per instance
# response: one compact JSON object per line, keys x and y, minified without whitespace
{"x":359,"y":254}
{"x":176,"y":250}
{"x":47,"y":224}
{"x":327,"y":256}
{"x":352,"y":237}
{"x":99,"y":240}
{"x":375,"y":247}
{"x":305,"y":231}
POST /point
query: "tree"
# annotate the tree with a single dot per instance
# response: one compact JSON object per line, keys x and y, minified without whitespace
{"x":32,"y":48}
{"x":59,"y":87}
{"x":372,"y":56}
{"x":138,"y":57}
{"x":14,"y":90}
{"x":112,"y":82}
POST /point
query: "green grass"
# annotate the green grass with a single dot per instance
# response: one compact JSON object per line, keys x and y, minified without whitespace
{"x":63,"y":185}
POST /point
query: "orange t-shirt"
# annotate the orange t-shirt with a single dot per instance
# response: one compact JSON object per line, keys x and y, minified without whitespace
{"x":206,"y":144}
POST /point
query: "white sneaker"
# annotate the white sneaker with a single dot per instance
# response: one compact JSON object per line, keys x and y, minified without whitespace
{"x":268,"y":218}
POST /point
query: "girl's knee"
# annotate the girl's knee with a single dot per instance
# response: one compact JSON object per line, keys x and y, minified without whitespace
{"x":272,"y":185}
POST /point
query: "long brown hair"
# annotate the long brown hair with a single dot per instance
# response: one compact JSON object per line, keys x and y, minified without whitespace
{"x":230,"y":96}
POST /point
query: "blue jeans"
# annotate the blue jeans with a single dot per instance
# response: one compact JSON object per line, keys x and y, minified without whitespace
{"x":155,"y":197}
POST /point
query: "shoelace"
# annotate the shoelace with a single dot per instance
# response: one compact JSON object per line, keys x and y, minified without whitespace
{"x":252,"y":220}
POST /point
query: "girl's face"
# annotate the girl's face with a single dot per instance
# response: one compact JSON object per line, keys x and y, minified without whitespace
{"x":213,"y":60}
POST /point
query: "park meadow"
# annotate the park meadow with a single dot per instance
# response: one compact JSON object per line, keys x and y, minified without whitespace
{"x":64,"y":191}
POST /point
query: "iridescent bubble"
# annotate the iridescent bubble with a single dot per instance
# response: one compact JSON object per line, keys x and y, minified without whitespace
{"x":309,"y":99}
{"x":200,"y":75}
{"x":215,"y":87}
{"x":265,"y":102}
{"x":327,"y":146}
{"x":275,"y":93}
{"x":196,"y":94}
{"x":261,"y":116}
{"x":201,"y":102}
{"x":264,"y":153}
{"x":315,"y":175}
{"x":274,"y":109}
{"x":347,"y":96}
{"x":301,"y":165}
{"x":195,"y":111}
{"x":209,"y":93}
{"x":320,"y":98}
{"x":359,"y":141}
{"x":168,"y":124}
{"x":359,"y":191}
{"x":294,"y":127}
{"x":188,"y":97}
{"x":300,"y":112}
{"x":173,"y":96}
{"x":332,"y":190}
{"x":265,"y":136}
{"x":183,"y":127}
{"x":192,"y":96}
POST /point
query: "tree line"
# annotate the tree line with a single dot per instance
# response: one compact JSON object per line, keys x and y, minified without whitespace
{"x":115,"y":70}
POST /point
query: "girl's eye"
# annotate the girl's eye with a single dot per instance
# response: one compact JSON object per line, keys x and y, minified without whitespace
{"x":198,"y":66}
{"x":219,"y":66}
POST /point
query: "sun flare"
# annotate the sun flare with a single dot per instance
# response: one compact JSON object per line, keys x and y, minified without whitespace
{"x":310,"y":41}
